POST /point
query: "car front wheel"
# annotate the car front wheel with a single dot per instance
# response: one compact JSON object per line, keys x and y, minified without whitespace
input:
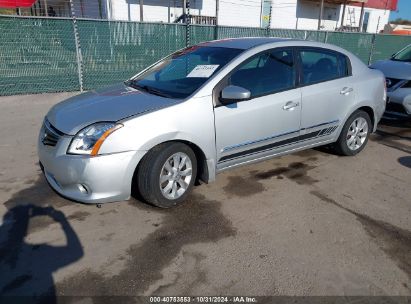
{"x":167,"y":174}
{"x":354,"y":135}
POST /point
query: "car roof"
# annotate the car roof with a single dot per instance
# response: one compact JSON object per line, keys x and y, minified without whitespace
{"x":247,"y":43}
{"x":244,"y":43}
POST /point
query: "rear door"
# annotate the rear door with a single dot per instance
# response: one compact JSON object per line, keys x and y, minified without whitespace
{"x":327,"y":92}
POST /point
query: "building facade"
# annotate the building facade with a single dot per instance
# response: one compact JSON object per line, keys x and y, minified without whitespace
{"x":291,"y":14}
{"x":304,"y":14}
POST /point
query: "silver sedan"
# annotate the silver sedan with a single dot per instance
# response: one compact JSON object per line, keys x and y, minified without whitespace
{"x":205,"y":109}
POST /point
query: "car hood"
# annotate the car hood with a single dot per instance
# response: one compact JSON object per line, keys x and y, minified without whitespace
{"x":109,"y":104}
{"x":394,"y":69}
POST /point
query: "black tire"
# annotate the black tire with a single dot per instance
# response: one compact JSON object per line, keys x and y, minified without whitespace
{"x":150,"y":168}
{"x":341,"y":146}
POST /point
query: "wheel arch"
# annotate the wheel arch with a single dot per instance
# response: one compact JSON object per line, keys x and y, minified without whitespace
{"x":367,"y":109}
{"x":205,"y":171}
{"x":202,"y":166}
{"x":370,"y":111}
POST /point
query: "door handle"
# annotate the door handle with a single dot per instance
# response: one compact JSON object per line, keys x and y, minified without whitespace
{"x":290,"y":105}
{"x":346,"y":91}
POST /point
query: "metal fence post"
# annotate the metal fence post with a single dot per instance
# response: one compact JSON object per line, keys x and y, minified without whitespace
{"x":187,"y":17}
{"x":269,"y":20}
{"x":326,"y":37}
{"x":217,"y":9}
{"x":78,"y":47}
{"x":372,"y":48}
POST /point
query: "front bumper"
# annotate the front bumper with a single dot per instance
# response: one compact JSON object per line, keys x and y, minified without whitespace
{"x":399,"y":101}
{"x":98,"y":179}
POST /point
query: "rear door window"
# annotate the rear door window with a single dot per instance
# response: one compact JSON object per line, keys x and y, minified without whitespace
{"x":321,"y":65}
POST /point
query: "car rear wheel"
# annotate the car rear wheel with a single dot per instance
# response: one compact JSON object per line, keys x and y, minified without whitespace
{"x":354,"y":135}
{"x":166,"y":174}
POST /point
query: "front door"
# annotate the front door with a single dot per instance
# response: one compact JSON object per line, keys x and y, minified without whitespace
{"x":270,"y":119}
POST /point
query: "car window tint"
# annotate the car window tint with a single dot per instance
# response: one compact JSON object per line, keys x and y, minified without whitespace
{"x":266,"y":73}
{"x":256,"y":62}
{"x":319,"y":66}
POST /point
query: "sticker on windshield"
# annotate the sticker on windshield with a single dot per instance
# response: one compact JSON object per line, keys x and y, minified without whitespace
{"x":203,"y":71}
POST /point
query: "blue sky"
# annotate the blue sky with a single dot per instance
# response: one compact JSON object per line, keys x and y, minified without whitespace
{"x":404,"y":10}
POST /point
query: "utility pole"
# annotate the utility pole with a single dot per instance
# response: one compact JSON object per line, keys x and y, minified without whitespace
{"x":343,"y":14}
{"x":46,"y":10}
{"x":320,"y":17}
{"x":100,"y":9}
{"x":169,"y":11}
{"x":361,"y":17}
{"x":217,"y":8}
{"x":109,"y":10}
{"x":141,"y":10}
{"x":184,"y":11}
{"x":78,"y":47}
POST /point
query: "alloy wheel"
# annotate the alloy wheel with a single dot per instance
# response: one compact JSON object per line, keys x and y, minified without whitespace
{"x":176,"y":175}
{"x":357,"y":133}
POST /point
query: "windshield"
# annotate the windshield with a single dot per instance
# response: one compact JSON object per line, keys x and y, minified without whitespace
{"x":403,"y":55}
{"x":183,"y":72}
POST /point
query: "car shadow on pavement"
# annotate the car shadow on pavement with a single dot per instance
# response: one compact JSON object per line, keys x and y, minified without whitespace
{"x":405,"y":161}
{"x":27,"y":268}
{"x":394,"y":133}
{"x":395,"y":126}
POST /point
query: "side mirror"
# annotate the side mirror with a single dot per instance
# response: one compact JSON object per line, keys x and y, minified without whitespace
{"x":232,"y":94}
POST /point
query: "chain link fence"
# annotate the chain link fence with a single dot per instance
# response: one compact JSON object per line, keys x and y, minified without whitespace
{"x":113,"y":51}
{"x":39,"y":55}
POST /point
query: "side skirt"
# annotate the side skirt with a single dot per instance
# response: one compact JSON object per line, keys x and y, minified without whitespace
{"x":263,"y":158}
{"x":282,"y":143}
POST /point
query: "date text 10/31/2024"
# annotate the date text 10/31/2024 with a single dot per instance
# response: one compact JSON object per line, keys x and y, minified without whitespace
{"x":206,"y":299}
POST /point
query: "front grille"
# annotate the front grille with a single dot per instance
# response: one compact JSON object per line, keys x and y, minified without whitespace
{"x":51,"y":135}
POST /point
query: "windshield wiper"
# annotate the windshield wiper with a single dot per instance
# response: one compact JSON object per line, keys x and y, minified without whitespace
{"x":146,"y":88}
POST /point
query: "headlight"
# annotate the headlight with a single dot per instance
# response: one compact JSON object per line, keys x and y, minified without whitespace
{"x":89,"y":140}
